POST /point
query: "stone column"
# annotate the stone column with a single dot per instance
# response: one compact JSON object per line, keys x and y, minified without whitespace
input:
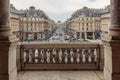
{"x":85,"y":35}
{"x":8,"y":70}
{"x":4,"y":19}
{"x":93,"y":36}
{"x":33,"y":35}
{"x":24,"y":36}
{"x":112,"y":44}
{"x":75,"y":35}
{"x":18,"y":57}
{"x":80,"y":35}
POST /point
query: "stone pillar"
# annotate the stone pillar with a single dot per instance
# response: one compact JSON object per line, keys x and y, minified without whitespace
{"x":85,"y":35}
{"x":75,"y":35}
{"x":80,"y":35}
{"x":8,"y":69}
{"x":93,"y":36}
{"x":112,"y":44}
{"x":25,"y":36}
{"x":43,"y":35}
{"x":101,"y":56}
{"x":18,"y":63}
{"x":33,"y":35}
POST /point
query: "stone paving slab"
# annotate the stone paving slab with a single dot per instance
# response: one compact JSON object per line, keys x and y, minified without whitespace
{"x":61,"y":75}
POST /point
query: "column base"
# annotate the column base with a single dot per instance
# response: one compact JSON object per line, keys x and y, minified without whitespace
{"x":111,"y":76}
{"x":4,"y":77}
{"x":107,"y":74}
{"x":8,"y":69}
{"x":112,"y":58}
{"x":12,"y":75}
{"x":116,"y":76}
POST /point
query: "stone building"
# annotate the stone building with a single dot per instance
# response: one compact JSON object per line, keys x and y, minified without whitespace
{"x":85,"y":23}
{"x":14,"y":24}
{"x":14,"y":21}
{"x":35,"y":24}
{"x":105,"y":21}
{"x":31,"y":24}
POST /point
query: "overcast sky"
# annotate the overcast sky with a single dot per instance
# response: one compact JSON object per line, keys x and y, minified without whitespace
{"x":59,"y":9}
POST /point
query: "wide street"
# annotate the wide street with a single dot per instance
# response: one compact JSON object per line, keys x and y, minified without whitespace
{"x":59,"y":35}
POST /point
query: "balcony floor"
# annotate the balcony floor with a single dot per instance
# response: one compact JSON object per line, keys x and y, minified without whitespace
{"x":60,"y":75}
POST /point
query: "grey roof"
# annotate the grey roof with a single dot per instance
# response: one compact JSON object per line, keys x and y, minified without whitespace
{"x":106,"y":10}
{"x":88,"y":12}
{"x":14,"y":10}
{"x":31,"y":12}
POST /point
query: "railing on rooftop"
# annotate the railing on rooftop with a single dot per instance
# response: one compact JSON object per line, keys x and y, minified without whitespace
{"x":59,"y":56}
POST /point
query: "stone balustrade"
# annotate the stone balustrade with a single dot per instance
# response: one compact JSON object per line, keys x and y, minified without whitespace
{"x":40,"y":56}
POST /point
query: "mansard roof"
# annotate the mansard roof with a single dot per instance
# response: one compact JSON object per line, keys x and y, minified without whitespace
{"x":88,"y":12}
{"x":31,"y":12}
{"x":14,"y":10}
{"x":106,"y":10}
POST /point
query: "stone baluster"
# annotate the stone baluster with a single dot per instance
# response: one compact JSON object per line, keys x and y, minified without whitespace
{"x":95,"y":55}
{"x":60,"y":56}
{"x":54,"y":55}
{"x":42,"y":56}
{"x":83,"y":56}
{"x":89,"y":56}
{"x":78,"y":56}
{"x":48,"y":55}
{"x":71,"y":56}
{"x":36,"y":55}
{"x":66,"y":56}
{"x":25,"y":56}
{"x":30,"y":55}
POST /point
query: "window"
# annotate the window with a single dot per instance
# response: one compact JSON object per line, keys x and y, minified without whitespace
{"x":87,"y":19}
{"x":87,"y":28}
{"x":87,"y":24}
{"x":83,"y":24}
{"x":82,"y":28}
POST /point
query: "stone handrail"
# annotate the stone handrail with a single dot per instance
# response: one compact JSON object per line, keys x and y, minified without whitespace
{"x":40,"y":56}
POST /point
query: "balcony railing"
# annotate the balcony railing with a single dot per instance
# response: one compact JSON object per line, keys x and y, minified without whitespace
{"x":40,"y":56}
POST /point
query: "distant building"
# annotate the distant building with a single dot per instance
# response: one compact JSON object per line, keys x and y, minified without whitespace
{"x":85,"y":11}
{"x":85,"y":23}
{"x":14,"y":24}
{"x":105,"y":21}
{"x":59,"y":22}
{"x":14,"y":21}
{"x":33,"y":24}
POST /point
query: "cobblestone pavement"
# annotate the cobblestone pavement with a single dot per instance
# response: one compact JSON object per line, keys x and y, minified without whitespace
{"x":60,"y":75}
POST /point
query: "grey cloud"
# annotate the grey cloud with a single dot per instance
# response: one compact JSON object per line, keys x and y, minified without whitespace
{"x":62,"y":16}
{"x":91,"y":0}
{"x":59,"y":9}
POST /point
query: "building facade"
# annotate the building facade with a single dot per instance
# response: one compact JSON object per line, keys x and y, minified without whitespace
{"x":14,"y":21}
{"x":36,"y":28}
{"x":85,"y":23}
{"x":31,"y":24}
{"x":14,"y":24}
{"x":105,"y":21}
{"x":35,"y":25}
